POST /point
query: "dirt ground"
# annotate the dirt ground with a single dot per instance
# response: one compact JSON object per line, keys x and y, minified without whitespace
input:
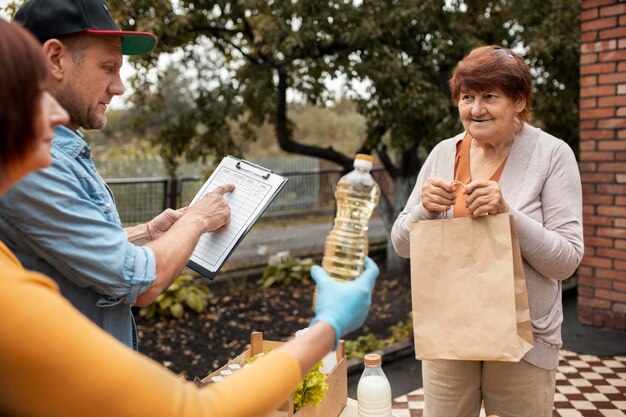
{"x":197,"y":344}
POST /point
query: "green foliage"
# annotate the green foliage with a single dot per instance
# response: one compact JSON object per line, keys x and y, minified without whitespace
{"x":402,"y":330}
{"x":180,"y":295}
{"x":357,"y":349}
{"x":235,"y":60}
{"x":282,"y":269}
{"x":11,"y":8}
{"x":312,"y":389}
{"x":552,"y":32}
{"x":255,"y":357}
{"x":337,"y":125}
{"x":122,"y":149}
{"x":246,"y":53}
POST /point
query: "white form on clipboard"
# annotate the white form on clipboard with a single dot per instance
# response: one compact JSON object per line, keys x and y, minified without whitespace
{"x":255,"y":188}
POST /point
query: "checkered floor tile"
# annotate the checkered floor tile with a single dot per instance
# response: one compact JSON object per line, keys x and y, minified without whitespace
{"x":586,"y":386}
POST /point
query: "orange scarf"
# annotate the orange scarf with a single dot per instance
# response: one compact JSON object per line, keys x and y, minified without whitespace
{"x":462,"y":173}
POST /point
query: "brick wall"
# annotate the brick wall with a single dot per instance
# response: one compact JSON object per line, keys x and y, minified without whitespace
{"x":602,"y":274}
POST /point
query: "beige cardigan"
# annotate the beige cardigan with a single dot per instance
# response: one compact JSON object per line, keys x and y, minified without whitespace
{"x":541,"y":183}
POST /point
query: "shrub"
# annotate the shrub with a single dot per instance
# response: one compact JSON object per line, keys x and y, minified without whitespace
{"x":283,"y":269}
{"x":401,"y":331}
{"x":182,"y":294}
{"x":357,"y":349}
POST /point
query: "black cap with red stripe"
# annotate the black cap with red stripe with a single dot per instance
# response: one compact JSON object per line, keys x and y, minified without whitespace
{"x":47,"y":19}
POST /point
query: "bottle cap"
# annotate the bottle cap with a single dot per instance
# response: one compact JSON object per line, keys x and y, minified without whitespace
{"x":362,"y":160}
{"x":373,"y":359}
{"x":365,"y":157}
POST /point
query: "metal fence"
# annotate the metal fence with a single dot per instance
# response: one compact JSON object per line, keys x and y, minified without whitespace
{"x":307,"y":192}
{"x":298,"y":220}
{"x":140,"y":199}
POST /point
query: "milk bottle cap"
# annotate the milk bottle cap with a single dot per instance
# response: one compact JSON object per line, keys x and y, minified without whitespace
{"x":372,"y":359}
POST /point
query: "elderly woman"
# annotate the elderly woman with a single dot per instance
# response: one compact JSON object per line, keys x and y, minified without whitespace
{"x":55,"y":362}
{"x":502,"y":164}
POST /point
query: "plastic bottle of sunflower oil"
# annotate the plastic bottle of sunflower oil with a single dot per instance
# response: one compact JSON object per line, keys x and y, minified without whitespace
{"x":373,"y":392}
{"x":347,"y":244}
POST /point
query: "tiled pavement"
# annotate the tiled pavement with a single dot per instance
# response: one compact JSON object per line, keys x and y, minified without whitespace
{"x":586,"y":386}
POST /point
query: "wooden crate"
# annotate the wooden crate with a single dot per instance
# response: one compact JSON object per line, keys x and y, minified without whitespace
{"x":337,"y":379}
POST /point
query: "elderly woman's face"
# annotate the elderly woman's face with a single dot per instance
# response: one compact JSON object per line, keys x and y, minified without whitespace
{"x":489,"y":115}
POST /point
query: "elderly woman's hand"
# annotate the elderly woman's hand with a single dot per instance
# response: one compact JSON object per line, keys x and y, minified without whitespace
{"x":438,"y":195}
{"x":485,"y":197}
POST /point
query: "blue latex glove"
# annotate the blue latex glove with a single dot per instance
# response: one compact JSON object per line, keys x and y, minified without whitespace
{"x":344,"y":305}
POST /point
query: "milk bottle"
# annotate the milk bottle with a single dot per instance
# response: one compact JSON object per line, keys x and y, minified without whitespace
{"x":373,"y":392}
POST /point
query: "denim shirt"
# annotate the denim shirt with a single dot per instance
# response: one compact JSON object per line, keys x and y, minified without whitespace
{"x":62,"y":221}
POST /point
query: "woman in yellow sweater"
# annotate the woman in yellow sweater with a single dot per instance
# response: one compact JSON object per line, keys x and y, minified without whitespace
{"x":55,"y":362}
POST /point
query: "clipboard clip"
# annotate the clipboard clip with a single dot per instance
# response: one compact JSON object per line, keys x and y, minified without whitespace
{"x":265,"y":173}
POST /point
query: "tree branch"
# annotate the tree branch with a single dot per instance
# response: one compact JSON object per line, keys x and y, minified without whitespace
{"x":283,"y":133}
{"x":255,"y":60}
{"x":383,"y":155}
{"x":411,"y":164}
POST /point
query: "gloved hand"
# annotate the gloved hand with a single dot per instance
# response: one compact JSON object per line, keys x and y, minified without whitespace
{"x":344,"y":305}
{"x":162,"y":223}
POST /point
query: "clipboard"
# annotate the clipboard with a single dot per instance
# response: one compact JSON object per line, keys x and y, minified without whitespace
{"x":255,"y":188}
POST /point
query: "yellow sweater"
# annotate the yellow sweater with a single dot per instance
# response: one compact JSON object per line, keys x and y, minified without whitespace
{"x":55,"y":362}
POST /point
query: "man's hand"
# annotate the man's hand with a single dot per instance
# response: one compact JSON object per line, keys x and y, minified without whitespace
{"x":212,"y":210}
{"x":162,"y":223}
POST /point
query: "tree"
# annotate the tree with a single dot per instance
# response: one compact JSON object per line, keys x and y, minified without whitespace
{"x":169,"y":121}
{"x":249,"y":53}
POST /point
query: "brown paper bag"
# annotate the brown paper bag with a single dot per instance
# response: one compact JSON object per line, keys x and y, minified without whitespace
{"x":468,"y":290}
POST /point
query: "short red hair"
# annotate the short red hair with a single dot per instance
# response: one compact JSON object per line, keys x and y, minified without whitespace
{"x":489,"y":67}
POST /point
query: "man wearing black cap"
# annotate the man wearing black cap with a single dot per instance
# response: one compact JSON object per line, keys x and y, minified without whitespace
{"x":62,"y":221}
